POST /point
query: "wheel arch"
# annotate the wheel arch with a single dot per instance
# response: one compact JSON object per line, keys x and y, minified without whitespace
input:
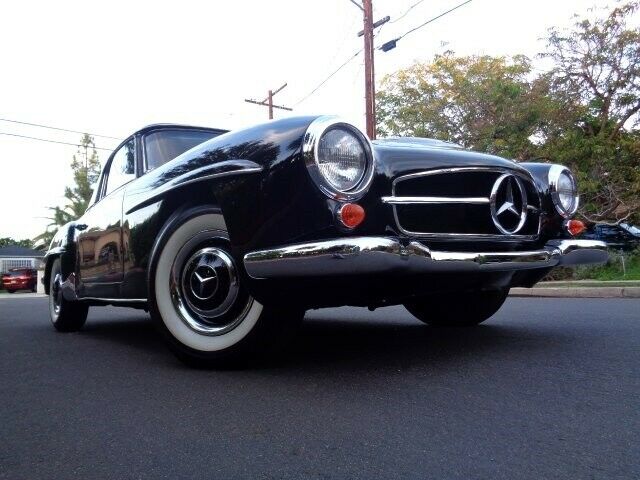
{"x":64,"y":247}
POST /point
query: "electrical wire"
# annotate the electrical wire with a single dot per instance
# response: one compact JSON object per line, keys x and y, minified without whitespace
{"x":433,"y":19}
{"x":329,"y":77}
{"x":53,"y":141}
{"x":57,"y":128}
{"x":406,"y":12}
{"x":360,"y":51}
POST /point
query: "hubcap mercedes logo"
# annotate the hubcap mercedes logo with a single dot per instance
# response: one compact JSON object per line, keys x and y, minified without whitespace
{"x":508,"y":204}
{"x":203,"y":281}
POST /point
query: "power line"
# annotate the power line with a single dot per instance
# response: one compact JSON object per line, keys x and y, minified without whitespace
{"x":52,"y":141}
{"x":327,"y":79}
{"x":407,"y":11}
{"x":433,"y":19}
{"x":381,"y":25}
{"x":59,"y":129}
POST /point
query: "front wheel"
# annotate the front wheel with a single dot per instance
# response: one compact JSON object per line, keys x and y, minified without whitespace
{"x":198,"y":297}
{"x":462,"y":309}
{"x":66,"y":316}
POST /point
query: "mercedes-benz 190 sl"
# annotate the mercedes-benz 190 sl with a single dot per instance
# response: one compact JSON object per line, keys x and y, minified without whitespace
{"x":227,"y":238}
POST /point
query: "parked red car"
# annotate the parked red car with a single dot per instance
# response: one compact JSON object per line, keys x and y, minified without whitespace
{"x":20,"y":279}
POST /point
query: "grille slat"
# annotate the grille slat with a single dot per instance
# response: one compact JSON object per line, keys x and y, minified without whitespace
{"x":456,"y":202}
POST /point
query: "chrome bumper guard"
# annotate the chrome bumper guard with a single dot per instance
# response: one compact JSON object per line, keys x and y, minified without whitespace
{"x":371,"y":255}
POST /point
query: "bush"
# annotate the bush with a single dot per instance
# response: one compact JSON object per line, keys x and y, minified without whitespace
{"x":621,"y":266}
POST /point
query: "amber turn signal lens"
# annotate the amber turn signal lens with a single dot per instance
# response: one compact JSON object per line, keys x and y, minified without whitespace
{"x":575,"y":227}
{"x":351,"y":215}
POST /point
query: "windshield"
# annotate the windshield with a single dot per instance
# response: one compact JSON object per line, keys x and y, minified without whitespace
{"x":160,"y":147}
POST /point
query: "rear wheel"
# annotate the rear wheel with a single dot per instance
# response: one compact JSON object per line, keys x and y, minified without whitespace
{"x":462,"y":309}
{"x":199,"y":300}
{"x":11,"y":291}
{"x":66,"y":316}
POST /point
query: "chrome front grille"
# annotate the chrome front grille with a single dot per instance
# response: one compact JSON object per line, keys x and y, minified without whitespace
{"x":466,"y":202}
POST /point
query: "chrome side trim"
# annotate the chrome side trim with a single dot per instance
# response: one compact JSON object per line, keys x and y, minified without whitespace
{"x":208,"y":172}
{"x":427,"y":200}
{"x":70,"y":293}
{"x":464,"y":236}
{"x":114,"y":300}
{"x":384,"y":255}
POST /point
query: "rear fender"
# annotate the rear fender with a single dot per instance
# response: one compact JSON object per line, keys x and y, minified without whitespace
{"x":64,"y":247}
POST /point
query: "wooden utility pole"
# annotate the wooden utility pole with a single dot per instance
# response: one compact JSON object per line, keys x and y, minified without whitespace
{"x":369,"y":69}
{"x":369,"y":73}
{"x":268,"y":102}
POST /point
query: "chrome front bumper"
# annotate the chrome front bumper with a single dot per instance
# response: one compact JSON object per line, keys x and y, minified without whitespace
{"x":374,"y":255}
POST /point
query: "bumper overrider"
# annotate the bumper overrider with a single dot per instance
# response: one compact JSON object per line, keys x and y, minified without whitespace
{"x":379,"y":255}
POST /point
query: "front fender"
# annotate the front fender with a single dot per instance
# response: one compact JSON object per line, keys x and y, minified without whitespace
{"x":255,"y":175}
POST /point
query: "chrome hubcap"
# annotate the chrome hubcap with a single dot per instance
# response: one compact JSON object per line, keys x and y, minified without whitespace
{"x":56,"y":293}
{"x":205,"y":287}
{"x":209,"y":282}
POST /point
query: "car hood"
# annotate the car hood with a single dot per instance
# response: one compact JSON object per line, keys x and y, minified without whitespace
{"x":396,"y":156}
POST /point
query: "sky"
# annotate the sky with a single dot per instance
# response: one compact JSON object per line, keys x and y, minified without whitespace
{"x":112,"y":67}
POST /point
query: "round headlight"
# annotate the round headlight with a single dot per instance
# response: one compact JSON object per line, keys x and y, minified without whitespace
{"x":339,"y":158}
{"x":342,"y":160}
{"x":564,"y":190}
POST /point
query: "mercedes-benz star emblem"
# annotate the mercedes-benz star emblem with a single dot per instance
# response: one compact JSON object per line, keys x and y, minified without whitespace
{"x":508,"y":204}
{"x":204,"y":282}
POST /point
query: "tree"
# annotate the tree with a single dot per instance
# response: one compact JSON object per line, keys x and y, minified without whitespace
{"x":86,"y":171}
{"x":597,"y":68}
{"x":584,"y":113}
{"x":480,"y":102}
{"x":8,"y":241}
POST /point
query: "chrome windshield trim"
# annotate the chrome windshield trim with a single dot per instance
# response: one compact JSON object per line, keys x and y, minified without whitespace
{"x":384,"y":255}
{"x":427,"y":200}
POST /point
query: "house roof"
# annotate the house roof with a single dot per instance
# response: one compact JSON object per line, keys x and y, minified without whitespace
{"x":17,"y":251}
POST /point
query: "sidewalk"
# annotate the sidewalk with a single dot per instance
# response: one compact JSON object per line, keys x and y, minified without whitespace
{"x":4,"y":295}
{"x":581,"y":289}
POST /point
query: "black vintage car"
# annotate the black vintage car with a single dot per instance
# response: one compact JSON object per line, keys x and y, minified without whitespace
{"x":228,"y":237}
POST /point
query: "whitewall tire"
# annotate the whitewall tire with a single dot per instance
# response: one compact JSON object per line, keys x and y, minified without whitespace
{"x":198,"y":297}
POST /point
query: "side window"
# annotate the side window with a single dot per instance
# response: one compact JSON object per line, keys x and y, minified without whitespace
{"x":122,"y":168}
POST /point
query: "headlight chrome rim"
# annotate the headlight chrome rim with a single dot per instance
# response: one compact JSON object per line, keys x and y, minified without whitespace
{"x":555,"y":173}
{"x":311,"y":142}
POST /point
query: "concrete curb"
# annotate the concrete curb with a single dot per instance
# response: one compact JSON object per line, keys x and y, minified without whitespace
{"x":577,"y":292}
{"x":5,"y":295}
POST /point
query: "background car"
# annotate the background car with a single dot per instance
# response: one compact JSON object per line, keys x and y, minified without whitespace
{"x":20,"y":279}
{"x":620,"y":237}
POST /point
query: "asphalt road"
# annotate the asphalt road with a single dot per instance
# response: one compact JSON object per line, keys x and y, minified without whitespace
{"x":548,"y":388}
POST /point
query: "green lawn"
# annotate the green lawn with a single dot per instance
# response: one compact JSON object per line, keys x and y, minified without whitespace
{"x":613,"y":270}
